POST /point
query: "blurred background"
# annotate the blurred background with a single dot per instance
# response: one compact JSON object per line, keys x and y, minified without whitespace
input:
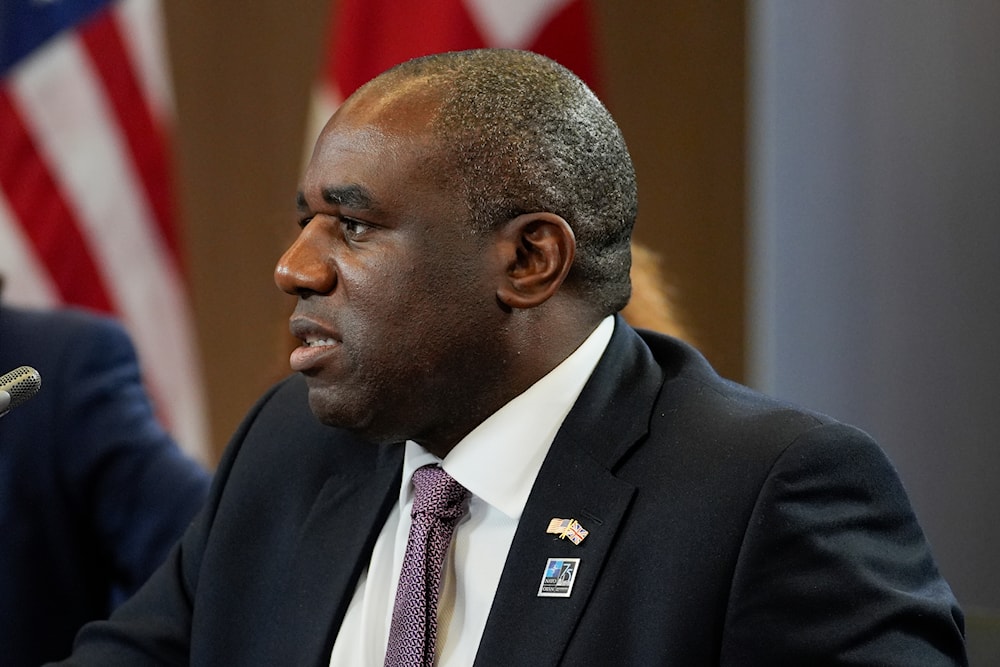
{"x":820,"y":181}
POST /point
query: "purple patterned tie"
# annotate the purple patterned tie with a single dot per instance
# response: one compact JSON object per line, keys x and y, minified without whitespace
{"x":438,"y":504}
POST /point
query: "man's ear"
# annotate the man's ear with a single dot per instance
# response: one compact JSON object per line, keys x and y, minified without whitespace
{"x":537,"y":251}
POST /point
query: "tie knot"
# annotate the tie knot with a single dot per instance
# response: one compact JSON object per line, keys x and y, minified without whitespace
{"x":437,"y":494}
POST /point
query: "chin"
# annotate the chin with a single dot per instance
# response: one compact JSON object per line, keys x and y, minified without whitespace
{"x":330,"y":412}
{"x":348,"y":417}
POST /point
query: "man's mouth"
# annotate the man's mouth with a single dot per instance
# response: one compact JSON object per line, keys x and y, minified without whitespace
{"x":317,"y":343}
{"x":312,"y":341}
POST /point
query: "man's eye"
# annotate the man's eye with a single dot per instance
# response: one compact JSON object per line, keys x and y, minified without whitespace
{"x":354,"y":228}
{"x":304,"y":221}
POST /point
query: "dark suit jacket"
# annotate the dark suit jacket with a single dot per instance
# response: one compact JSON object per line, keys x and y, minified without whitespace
{"x":725,"y":528}
{"x":93,"y":493}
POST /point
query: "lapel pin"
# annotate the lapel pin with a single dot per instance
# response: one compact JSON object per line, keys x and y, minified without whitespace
{"x":567,"y":529}
{"x":560,"y":574}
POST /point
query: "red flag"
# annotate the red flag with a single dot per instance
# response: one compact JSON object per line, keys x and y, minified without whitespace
{"x":86,"y":214}
{"x":369,"y":36}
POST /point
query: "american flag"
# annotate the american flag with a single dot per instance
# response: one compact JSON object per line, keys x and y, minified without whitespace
{"x":86,"y":208}
{"x":369,"y":36}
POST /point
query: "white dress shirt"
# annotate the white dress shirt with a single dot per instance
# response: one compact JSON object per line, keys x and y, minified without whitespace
{"x":497,"y":462}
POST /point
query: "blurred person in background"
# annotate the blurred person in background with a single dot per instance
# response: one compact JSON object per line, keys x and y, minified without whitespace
{"x":93,"y":491}
{"x":653,"y":304}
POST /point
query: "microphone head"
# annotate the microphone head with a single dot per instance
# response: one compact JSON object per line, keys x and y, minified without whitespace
{"x":18,"y":386}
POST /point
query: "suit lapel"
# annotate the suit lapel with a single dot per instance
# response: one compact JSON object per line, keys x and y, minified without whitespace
{"x":335,"y":546}
{"x":575,"y":481}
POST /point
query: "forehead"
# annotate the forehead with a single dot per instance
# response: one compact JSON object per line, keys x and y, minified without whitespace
{"x":375,"y":138}
{"x":365,"y":160}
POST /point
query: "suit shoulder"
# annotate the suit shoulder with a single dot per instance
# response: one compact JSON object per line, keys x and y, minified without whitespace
{"x":698,"y":407}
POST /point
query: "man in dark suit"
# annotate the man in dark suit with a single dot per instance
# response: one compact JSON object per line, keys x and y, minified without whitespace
{"x":93,"y":492}
{"x":464,"y":249}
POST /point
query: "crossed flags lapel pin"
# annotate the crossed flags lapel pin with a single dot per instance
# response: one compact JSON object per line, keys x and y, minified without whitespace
{"x":567,"y":529}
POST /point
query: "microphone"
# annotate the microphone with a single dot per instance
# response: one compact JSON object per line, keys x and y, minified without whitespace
{"x":18,"y":386}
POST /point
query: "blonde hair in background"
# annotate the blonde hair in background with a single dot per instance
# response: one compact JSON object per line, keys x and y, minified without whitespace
{"x":652,"y":304}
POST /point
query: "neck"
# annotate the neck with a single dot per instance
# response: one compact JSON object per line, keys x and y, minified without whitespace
{"x":535,"y":354}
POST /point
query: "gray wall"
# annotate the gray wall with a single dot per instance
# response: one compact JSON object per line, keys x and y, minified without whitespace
{"x":875,"y":252}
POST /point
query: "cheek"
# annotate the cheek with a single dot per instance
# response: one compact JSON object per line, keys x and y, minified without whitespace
{"x":403,"y":288}
{"x":431,"y":321}
{"x":392,"y":311}
{"x":425,"y":298}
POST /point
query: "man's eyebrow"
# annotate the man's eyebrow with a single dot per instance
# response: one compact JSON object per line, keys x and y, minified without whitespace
{"x":350,"y":196}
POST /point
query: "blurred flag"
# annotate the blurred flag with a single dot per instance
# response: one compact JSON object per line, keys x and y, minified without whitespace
{"x":86,"y":209}
{"x":369,"y":36}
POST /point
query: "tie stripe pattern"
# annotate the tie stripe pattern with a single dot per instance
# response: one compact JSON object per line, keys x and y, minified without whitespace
{"x":438,"y":504}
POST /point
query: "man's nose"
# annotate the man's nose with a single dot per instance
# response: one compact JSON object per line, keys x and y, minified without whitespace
{"x":305,"y":268}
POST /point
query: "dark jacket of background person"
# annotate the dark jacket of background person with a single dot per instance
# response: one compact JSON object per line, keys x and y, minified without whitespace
{"x":726,"y":528}
{"x":93,"y":492}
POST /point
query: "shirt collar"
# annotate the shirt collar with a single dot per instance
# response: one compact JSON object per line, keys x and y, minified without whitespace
{"x":499,"y":460}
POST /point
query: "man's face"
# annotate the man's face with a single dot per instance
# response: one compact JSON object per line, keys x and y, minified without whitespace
{"x":397,"y":309}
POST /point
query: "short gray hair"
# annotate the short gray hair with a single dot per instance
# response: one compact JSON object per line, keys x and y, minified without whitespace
{"x":523,"y":134}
